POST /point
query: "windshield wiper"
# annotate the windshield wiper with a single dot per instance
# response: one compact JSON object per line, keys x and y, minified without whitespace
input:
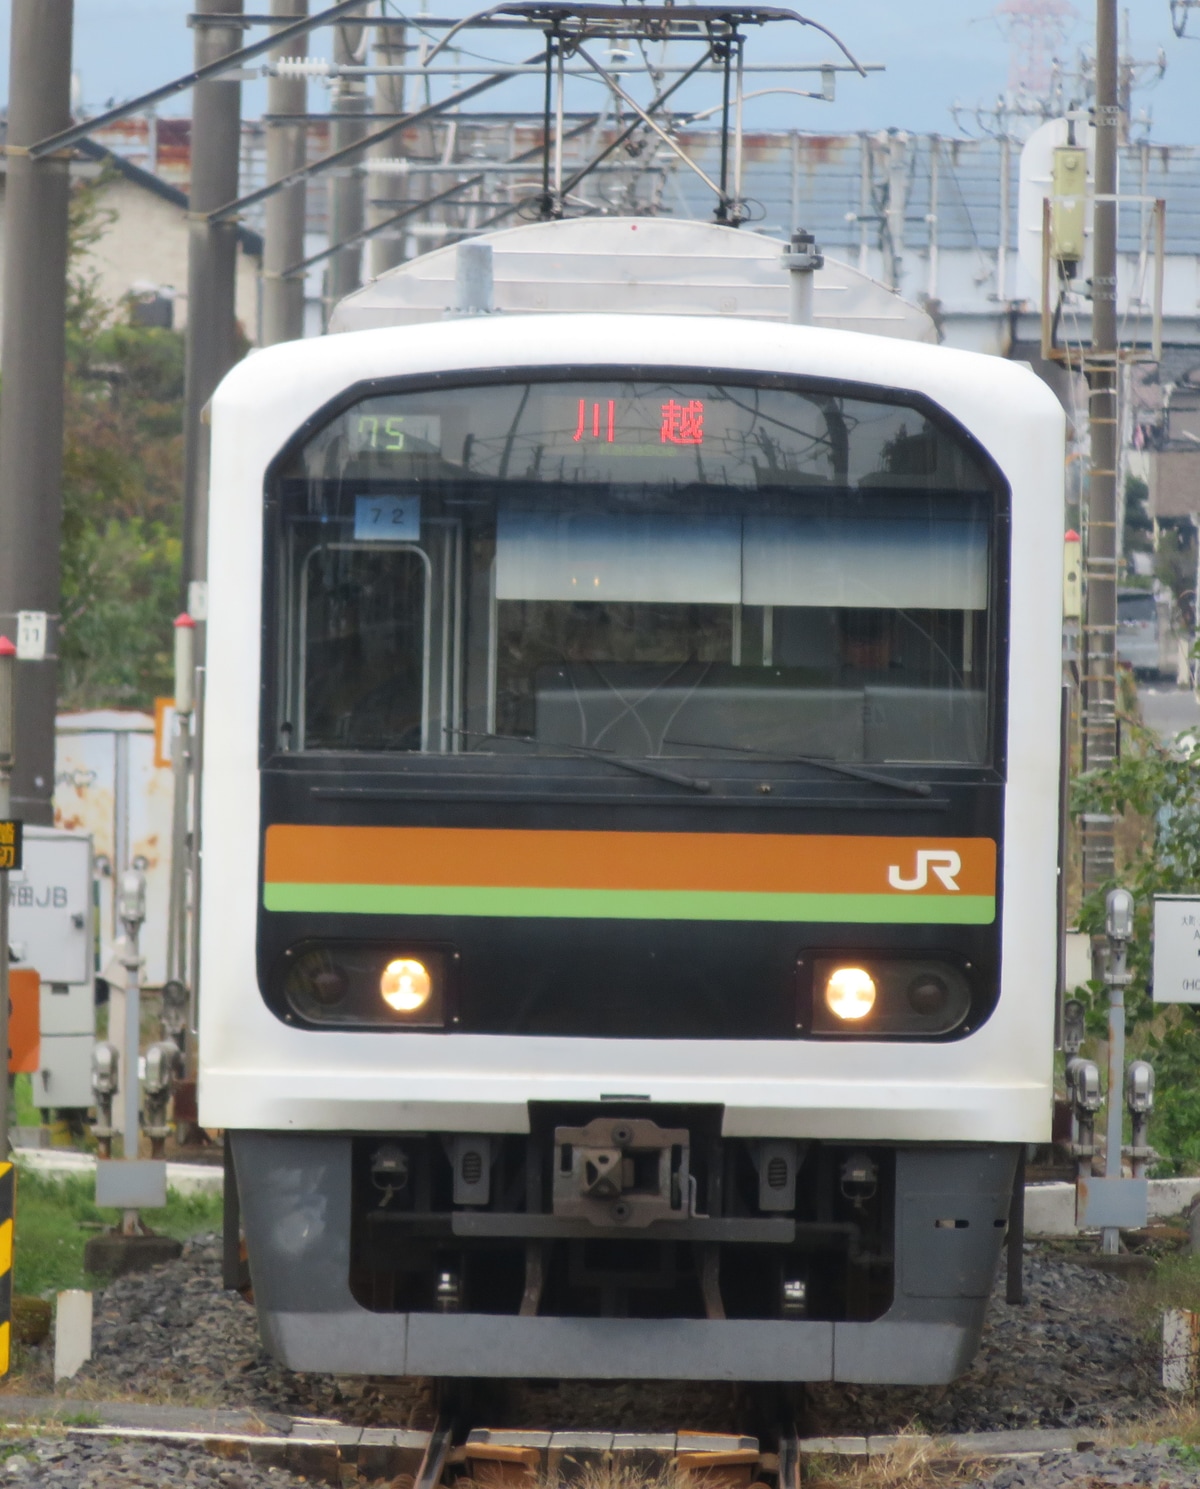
{"x":835,"y":767}
{"x":635,"y":767}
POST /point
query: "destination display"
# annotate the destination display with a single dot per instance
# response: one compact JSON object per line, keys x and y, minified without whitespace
{"x":678,"y":432}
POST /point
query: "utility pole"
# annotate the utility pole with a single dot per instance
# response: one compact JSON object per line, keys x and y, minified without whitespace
{"x":212,"y":266}
{"x":347,"y":197}
{"x":390,"y":50}
{"x":33,"y":354}
{"x":8,"y":856}
{"x":1103,"y":545}
{"x":283,"y":239}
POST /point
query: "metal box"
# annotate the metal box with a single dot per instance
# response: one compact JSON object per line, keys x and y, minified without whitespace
{"x":1068,"y":206}
{"x":67,"y":1008}
{"x":111,"y":783}
{"x":51,"y":932}
{"x":138,"y":1183}
{"x":1176,"y":948}
{"x":65,"y":1079}
{"x":50,"y":906}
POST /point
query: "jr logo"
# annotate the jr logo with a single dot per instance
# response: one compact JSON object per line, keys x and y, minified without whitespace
{"x":944,"y":862}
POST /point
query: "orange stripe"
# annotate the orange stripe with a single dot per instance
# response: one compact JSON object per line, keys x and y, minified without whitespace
{"x":770,"y":863}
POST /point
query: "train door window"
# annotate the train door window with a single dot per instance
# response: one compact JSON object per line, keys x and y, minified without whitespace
{"x":362,"y":652}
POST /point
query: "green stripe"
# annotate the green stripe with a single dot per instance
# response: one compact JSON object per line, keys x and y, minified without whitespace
{"x":628,"y":904}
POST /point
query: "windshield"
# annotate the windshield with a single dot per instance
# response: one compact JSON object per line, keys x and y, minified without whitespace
{"x":651,"y":568}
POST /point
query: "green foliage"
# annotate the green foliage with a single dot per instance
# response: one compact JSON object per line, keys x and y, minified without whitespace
{"x":122,"y":484}
{"x":1138,"y":526}
{"x":56,"y":1216}
{"x":24,"y":1113}
{"x":1162,"y":786}
{"x":1175,"y":566}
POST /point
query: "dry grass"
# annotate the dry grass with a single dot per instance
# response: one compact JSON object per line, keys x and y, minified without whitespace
{"x":1174,"y":1421}
{"x":36,"y":1378}
{"x":913,"y":1462}
{"x":574,"y":1475}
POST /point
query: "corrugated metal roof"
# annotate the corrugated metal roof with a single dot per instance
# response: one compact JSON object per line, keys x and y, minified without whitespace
{"x":824,"y":176}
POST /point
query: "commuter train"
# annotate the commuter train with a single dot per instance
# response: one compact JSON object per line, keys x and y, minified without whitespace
{"x":630,"y":839}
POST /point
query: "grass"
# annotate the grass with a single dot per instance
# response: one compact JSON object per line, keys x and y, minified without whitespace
{"x":1174,"y":1283}
{"x":55,"y":1217}
{"x":912,"y":1463}
{"x":24,"y":1113}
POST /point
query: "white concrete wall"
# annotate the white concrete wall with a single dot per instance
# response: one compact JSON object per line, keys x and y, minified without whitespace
{"x":1050,"y":1208}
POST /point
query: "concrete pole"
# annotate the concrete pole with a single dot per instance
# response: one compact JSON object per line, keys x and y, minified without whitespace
{"x":389,"y":50}
{"x":8,"y":667}
{"x":32,"y":352}
{"x":212,"y":269}
{"x":1110,"y":1236}
{"x":347,"y":191}
{"x":897,"y":205}
{"x":1102,"y":550}
{"x":283,"y":240}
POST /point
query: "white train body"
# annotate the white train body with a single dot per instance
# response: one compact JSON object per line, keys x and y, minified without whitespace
{"x":910,"y":1139}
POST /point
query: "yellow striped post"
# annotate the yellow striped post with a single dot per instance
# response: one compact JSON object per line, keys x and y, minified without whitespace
{"x":8,"y":1196}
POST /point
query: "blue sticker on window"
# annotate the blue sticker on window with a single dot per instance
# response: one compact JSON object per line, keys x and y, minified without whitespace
{"x":387,"y":519}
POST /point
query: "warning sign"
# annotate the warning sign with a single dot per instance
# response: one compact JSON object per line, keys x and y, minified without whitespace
{"x":10,"y":844}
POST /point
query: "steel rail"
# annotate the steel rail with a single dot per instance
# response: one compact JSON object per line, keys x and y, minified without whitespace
{"x":437,"y":1450}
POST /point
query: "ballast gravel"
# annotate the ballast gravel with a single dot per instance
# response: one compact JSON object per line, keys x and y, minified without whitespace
{"x":1074,"y":1355}
{"x":69,"y":1463}
{"x":1159,"y":1465}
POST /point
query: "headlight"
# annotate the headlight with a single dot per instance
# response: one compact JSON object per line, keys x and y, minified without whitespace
{"x":367,"y":985}
{"x":404,"y":985}
{"x":885,"y":995}
{"x":849,"y":993}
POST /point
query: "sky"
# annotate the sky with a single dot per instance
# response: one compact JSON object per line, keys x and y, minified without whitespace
{"x":936,"y":53}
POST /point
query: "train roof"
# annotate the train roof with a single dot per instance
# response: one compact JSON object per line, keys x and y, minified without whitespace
{"x":635,"y":265}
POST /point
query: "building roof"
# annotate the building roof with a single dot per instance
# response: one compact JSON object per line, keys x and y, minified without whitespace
{"x":840,"y":185}
{"x":249,"y":241}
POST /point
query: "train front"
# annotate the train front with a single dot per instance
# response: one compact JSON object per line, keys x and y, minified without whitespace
{"x":629,"y":844}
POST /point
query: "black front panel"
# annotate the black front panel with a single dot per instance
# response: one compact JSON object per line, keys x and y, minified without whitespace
{"x":630,"y":978}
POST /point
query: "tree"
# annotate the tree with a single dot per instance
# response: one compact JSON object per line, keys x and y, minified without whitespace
{"x":122,"y":485}
{"x":1139,"y":529}
{"x":1175,"y":566}
{"x":1159,"y":785}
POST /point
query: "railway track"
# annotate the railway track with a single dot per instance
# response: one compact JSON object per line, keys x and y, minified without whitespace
{"x":330,"y":1452}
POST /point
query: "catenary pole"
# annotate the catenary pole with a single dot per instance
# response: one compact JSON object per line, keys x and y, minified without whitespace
{"x":32,"y":352}
{"x":385,"y":250}
{"x":283,"y":235}
{"x":212,"y":269}
{"x":1103,"y":548}
{"x":347,"y":197}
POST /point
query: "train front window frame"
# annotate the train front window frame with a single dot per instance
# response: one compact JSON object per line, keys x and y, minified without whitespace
{"x":685,"y":559}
